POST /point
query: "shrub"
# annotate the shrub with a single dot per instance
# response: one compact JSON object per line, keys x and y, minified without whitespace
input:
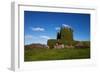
{"x":82,"y":44}
{"x":51,"y":43}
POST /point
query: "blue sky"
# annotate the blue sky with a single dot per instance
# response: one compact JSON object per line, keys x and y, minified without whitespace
{"x":41,"y":26}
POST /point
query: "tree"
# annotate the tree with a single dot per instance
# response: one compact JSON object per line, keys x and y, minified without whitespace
{"x":51,"y":43}
{"x":58,"y":36}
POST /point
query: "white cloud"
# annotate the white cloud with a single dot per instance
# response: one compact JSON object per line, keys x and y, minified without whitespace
{"x":65,"y":25}
{"x":28,"y":36}
{"x":36,"y":39}
{"x":45,"y":37}
{"x":57,"y":28}
{"x":38,"y":29}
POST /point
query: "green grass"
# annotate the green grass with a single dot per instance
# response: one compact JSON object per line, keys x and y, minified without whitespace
{"x":56,"y":54}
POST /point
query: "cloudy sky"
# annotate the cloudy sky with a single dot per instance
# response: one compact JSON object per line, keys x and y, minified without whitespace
{"x":41,"y":26}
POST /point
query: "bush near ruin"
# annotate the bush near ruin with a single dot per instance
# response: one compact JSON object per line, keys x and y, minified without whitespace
{"x":82,"y":44}
{"x":51,"y":43}
{"x":35,"y":46}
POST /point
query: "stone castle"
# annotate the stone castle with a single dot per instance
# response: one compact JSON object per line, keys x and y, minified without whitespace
{"x":64,"y":38}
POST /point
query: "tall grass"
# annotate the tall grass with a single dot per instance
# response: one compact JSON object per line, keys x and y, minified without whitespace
{"x":56,"y":54}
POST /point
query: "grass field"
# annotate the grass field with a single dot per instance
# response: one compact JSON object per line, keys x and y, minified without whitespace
{"x":56,"y":54}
